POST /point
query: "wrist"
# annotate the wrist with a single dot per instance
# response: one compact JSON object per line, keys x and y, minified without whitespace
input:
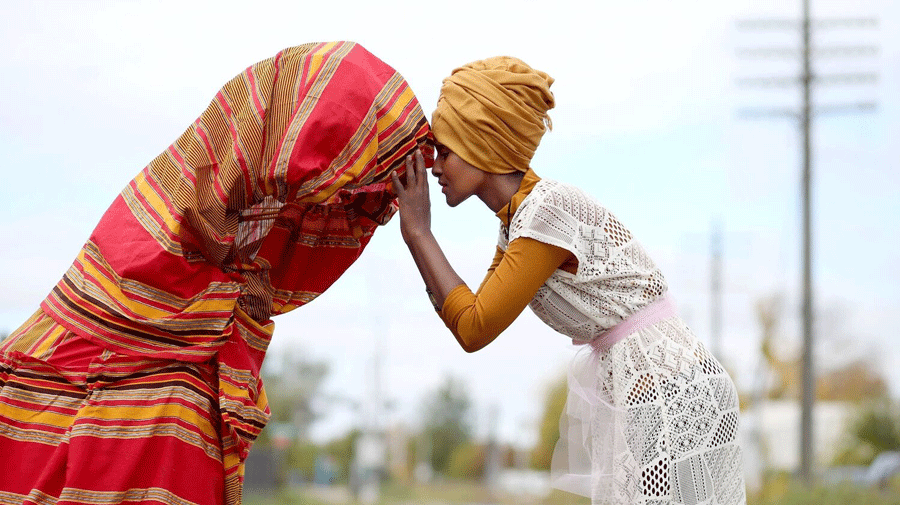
{"x":417,"y":236}
{"x":433,"y":300}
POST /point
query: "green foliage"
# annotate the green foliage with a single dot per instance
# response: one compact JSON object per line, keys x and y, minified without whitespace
{"x":292,"y":384}
{"x":447,"y":423}
{"x":412,"y":452}
{"x":466,"y":462}
{"x":342,"y":452}
{"x":301,"y":458}
{"x":784,"y":490}
{"x":876,"y":429}
{"x":284,"y":497}
{"x":554,"y":404}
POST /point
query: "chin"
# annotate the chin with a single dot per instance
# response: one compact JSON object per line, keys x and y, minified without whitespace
{"x":454,"y":200}
{"x":451,"y":202}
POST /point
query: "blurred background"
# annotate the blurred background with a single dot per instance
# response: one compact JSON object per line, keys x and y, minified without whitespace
{"x":684,"y":118}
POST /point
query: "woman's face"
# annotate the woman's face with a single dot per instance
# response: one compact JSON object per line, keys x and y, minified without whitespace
{"x":458,"y":179}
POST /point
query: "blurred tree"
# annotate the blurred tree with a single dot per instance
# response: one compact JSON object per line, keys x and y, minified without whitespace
{"x":293,"y":383}
{"x":447,"y":423}
{"x":855,"y":382}
{"x":412,"y":451}
{"x":548,"y":434}
{"x":467,"y":462}
{"x":876,"y":429}
{"x":301,"y":459}
{"x":785,"y":371}
{"x":341,"y":450}
{"x":853,"y":376}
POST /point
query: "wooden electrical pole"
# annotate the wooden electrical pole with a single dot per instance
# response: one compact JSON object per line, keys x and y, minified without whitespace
{"x":809,"y":385}
{"x":807,"y":80}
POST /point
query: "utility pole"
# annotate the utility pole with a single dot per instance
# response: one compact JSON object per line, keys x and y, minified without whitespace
{"x":492,"y":463}
{"x":808,"y":379}
{"x":808,"y":79}
{"x":371,"y":450}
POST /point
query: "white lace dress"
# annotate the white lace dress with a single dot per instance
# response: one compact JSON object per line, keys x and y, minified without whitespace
{"x":651,"y":418}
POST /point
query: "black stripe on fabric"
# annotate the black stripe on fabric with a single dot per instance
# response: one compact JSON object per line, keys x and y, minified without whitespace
{"x":19,"y":372}
{"x":74,"y":307}
{"x":187,"y":369}
{"x":46,"y":391}
{"x":108,"y":310}
{"x":409,"y":139}
{"x":245,"y":434}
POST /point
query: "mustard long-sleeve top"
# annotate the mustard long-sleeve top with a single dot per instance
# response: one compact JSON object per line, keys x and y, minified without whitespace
{"x":512,"y":280}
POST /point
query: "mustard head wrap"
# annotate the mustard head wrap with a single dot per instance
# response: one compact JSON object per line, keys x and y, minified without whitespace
{"x":492,"y":113}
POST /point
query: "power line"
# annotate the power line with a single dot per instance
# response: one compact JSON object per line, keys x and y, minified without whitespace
{"x":776,"y":52}
{"x":791,"y":23}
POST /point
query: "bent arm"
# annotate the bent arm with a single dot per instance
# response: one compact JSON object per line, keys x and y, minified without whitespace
{"x":415,"y":226}
{"x":511,"y":283}
{"x":436,"y":271}
{"x":477,"y":319}
{"x":498,"y":257}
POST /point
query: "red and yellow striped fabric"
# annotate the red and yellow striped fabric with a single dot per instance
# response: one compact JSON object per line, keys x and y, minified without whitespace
{"x":141,"y":367}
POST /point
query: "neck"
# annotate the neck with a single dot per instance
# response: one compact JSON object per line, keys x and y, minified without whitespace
{"x":500,"y":189}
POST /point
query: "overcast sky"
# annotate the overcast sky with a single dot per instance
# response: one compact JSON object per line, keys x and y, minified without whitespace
{"x":646,"y":121}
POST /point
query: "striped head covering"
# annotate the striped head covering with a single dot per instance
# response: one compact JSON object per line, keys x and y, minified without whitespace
{"x":256,"y":209}
{"x":493,"y":112}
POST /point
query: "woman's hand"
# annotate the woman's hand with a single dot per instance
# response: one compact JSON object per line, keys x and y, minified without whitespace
{"x":415,"y":225}
{"x":415,"y":203}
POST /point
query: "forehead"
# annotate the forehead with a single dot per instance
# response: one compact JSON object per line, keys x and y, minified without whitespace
{"x":440,"y":147}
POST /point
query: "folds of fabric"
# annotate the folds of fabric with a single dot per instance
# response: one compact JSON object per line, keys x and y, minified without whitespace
{"x":80,"y":424}
{"x":262,"y":203}
{"x":493,"y":113}
{"x":651,"y":416}
{"x":654,"y":419}
{"x":256,"y":209}
{"x":591,"y":435}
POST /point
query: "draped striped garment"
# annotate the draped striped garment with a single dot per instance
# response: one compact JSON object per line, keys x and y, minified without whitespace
{"x":138,"y":378}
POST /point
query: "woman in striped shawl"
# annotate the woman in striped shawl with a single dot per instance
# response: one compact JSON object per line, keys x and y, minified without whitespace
{"x":137,"y":379}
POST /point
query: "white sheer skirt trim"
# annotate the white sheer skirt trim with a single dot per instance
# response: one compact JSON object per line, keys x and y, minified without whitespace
{"x":653,"y":420}
{"x":589,"y":423}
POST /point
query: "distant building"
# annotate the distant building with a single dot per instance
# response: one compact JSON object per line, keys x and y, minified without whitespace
{"x":771,"y":435}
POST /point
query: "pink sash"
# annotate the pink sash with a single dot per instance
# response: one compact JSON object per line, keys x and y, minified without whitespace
{"x":657,"y":311}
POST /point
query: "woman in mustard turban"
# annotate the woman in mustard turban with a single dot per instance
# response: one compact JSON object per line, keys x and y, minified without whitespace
{"x":651,"y":415}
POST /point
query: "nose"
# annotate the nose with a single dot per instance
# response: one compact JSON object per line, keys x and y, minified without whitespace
{"x":437,"y":168}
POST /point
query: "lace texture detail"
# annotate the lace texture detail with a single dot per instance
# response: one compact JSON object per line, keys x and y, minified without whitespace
{"x":653,"y":419}
{"x":615,"y":276}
